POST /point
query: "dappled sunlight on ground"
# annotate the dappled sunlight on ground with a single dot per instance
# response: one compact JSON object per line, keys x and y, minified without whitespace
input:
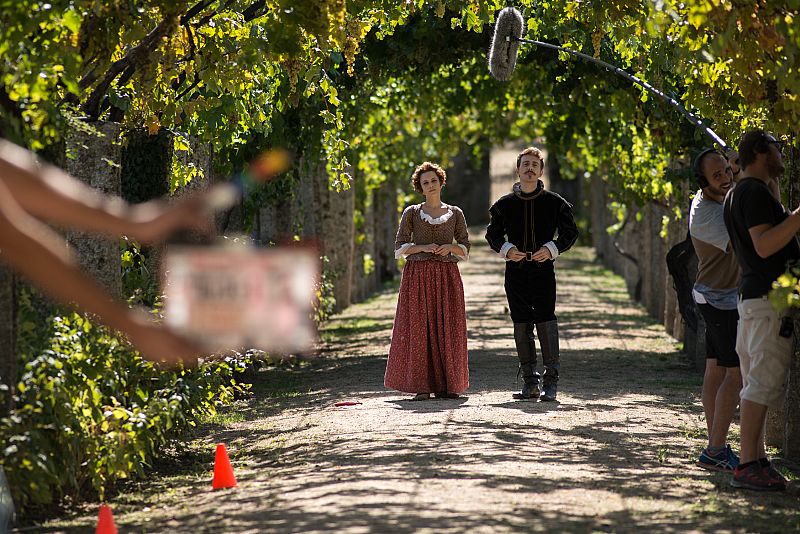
{"x":614,"y":454}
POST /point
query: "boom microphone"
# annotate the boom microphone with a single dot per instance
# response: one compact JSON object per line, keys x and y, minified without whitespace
{"x":505,"y":43}
{"x":503,"y":59}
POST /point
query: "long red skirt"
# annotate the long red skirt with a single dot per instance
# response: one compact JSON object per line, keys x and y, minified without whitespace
{"x":429,"y":340}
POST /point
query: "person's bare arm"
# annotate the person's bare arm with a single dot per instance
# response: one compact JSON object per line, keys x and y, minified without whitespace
{"x":52,"y":195}
{"x":767,"y":239}
{"x":36,"y":252}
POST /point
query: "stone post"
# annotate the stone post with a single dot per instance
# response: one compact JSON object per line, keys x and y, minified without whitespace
{"x":95,"y":160}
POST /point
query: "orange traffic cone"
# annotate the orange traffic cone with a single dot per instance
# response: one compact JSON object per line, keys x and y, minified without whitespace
{"x":223,"y":472}
{"x":105,"y":521}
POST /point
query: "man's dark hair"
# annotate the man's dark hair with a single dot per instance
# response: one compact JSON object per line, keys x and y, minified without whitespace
{"x":753,"y":143}
{"x":531,"y":151}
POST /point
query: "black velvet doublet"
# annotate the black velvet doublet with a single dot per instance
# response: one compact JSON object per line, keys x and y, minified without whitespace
{"x":528,"y":222}
{"x":533,"y":222}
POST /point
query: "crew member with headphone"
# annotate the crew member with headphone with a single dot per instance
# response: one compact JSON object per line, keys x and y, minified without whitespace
{"x":716,"y":293}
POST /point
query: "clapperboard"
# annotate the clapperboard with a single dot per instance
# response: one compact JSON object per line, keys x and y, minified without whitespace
{"x":232,"y":297}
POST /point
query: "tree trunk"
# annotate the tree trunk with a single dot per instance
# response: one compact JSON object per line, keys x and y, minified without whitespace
{"x":791,"y":414}
{"x":364,"y":274}
{"x":337,"y":233}
{"x":571,"y":190}
{"x":469,"y":184}
{"x":791,"y":442}
{"x":386,"y":222}
{"x":671,"y":315}
{"x":598,"y":219}
{"x":96,"y":162}
{"x":306,"y":199}
{"x":8,"y":339}
{"x":776,"y":425}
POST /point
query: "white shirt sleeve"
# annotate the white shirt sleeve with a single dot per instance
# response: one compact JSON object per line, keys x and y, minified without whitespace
{"x":401,"y":252}
{"x":465,"y":255}
{"x":504,"y":250}
{"x":551,"y":246}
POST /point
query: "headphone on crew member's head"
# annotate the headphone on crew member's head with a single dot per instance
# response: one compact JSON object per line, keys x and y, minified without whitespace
{"x":762,"y":145}
{"x":697,"y":166}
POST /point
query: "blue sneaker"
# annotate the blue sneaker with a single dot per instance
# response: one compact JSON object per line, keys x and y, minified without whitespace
{"x":725,"y":460}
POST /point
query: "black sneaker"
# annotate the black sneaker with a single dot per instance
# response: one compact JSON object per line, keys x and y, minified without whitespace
{"x":529,"y":391}
{"x":549,"y":393}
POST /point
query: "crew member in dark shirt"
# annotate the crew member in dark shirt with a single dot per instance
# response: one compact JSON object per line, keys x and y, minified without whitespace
{"x":762,"y":233}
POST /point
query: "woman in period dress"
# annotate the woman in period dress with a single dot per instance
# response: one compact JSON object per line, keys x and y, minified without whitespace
{"x":429,"y":341}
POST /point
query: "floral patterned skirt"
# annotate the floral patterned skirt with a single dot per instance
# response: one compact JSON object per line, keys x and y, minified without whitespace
{"x":429,"y":339}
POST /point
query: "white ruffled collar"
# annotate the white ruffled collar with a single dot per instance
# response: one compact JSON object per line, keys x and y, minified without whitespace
{"x":438,"y":220}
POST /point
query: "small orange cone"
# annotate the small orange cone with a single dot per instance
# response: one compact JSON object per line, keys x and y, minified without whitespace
{"x":105,"y":521}
{"x":223,"y":472}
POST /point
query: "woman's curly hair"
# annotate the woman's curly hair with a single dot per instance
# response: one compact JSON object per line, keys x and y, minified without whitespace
{"x":424,"y":167}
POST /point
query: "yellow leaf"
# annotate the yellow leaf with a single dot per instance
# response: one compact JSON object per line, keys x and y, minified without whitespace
{"x":153,"y":125}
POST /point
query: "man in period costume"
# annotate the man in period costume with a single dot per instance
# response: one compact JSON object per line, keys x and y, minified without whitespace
{"x":530,"y":227}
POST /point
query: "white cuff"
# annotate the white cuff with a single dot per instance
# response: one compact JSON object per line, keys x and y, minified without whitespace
{"x":464,"y":256}
{"x":505,"y":248}
{"x":551,"y":246}
{"x":401,"y":252}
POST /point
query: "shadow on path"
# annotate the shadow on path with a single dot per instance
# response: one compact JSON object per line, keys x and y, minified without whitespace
{"x":615,"y":453}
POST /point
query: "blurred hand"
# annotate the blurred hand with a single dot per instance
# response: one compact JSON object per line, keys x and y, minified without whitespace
{"x":269,"y":164}
{"x":429,"y":248}
{"x":733,"y":160}
{"x":443,"y":250}
{"x":158,"y":343}
{"x":157,"y":220}
{"x":515,"y":255}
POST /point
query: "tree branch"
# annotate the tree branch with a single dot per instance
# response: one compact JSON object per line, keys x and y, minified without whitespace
{"x":252,"y":11}
{"x":194,"y":10}
{"x":194,"y":84}
{"x":637,"y":290}
{"x":205,"y":19}
{"x":134,"y":58}
{"x":192,"y":45}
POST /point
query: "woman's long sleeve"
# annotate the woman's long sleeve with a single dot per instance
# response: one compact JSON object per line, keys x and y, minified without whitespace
{"x":462,"y":235}
{"x":402,"y":240}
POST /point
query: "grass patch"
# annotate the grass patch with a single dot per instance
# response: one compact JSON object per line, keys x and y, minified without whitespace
{"x":277,"y":383}
{"x":352,"y":327}
{"x":690,"y":383}
{"x":226,"y":416}
{"x":604,"y":319}
{"x":694,"y":433}
{"x":389,"y":288}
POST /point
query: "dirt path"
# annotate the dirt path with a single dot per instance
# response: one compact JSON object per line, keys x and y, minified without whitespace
{"x":615,"y":454}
